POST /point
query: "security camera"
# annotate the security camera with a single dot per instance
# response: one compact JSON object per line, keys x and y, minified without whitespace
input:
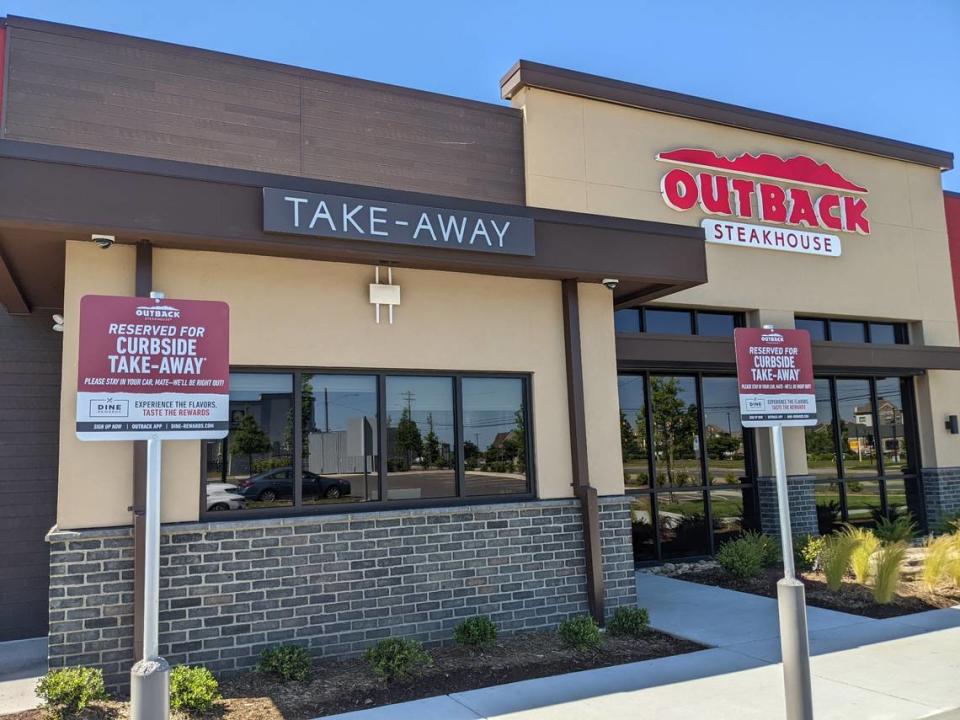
{"x":611,"y":283}
{"x":104,"y":242}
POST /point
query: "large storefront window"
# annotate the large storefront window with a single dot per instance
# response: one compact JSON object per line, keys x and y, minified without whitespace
{"x":861,"y":451}
{"x":694,"y":490}
{"x":314,"y":441}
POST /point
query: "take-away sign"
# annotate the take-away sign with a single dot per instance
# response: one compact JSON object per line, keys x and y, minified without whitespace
{"x":153,"y":368}
{"x":775,"y":377}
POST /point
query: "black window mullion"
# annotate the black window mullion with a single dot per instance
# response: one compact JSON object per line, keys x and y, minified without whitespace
{"x":530,"y":464}
{"x":648,"y":409}
{"x":459,"y":468}
{"x":705,"y":478}
{"x":878,"y":447}
{"x":382,"y":438}
{"x":868,"y":332}
{"x":297,"y":439}
{"x":695,"y":322}
{"x":838,"y":447}
{"x":651,"y":468}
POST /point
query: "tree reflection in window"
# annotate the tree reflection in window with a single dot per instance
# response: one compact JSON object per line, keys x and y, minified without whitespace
{"x":676,"y":439}
{"x":494,"y":436}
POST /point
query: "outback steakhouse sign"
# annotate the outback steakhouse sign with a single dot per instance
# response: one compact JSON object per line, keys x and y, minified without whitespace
{"x":812,"y":200}
{"x":775,"y":377}
{"x":152,"y":368}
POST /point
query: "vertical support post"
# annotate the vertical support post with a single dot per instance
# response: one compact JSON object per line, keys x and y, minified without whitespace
{"x":143,"y":286}
{"x":578,"y":451}
{"x":151,"y":555}
{"x":791,"y":600}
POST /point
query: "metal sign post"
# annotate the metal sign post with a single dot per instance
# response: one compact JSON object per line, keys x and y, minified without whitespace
{"x":150,"y":677}
{"x":775,"y":379}
{"x":152,"y":370}
{"x":791,"y":603}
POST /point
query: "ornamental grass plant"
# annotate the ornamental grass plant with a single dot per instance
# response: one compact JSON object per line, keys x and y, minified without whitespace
{"x":942,"y":556}
{"x":835,"y":558}
{"x":861,"y":558}
{"x":887,"y":582}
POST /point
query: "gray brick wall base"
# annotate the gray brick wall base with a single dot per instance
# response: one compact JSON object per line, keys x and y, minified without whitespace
{"x":941,"y":492}
{"x":803,"y":505}
{"x":336,"y":583}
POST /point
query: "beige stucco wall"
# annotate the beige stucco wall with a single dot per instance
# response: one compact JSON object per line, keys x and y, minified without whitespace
{"x":287,"y":312}
{"x":598,"y":157}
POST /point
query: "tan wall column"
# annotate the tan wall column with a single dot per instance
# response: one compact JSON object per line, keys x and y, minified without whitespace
{"x":938,"y":395}
{"x":794,"y":442}
{"x":601,"y":400}
{"x":95,"y":478}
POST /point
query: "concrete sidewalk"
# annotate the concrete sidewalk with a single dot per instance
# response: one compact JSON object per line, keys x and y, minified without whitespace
{"x":22,"y":663}
{"x":897,"y":669}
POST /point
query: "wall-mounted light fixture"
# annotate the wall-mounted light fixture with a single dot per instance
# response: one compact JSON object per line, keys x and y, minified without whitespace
{"x":953,"y":426}
{"x":58,"y":323}
{"x":384,"y":294}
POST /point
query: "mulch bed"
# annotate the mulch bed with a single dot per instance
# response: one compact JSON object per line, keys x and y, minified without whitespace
{"x":912,"y":597}
{"x":348,"y":685}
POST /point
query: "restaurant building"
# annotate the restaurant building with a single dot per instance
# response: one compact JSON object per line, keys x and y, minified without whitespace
{"x":481,"y":355}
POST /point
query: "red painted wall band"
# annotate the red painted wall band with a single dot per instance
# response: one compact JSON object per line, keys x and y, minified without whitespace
{"x":951,"y":203}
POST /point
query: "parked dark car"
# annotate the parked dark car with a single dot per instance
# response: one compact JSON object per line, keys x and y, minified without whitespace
{"x":278,"y":485}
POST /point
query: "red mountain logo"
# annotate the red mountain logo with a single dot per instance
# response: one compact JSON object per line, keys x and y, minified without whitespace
{"x":799,"y":169}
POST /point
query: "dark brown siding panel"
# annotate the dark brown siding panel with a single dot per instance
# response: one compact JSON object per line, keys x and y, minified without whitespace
{"x":366,"y":136}
{"x":99,"y":91}
{"x":29,"y":425}
{"x":151,"y":100}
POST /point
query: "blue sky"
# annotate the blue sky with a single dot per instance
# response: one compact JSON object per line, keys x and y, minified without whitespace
{"x":888,"y":67}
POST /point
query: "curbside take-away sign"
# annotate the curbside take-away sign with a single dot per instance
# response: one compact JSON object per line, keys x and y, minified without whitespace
{"x":775,"y":377}
{"x":153,"y":368}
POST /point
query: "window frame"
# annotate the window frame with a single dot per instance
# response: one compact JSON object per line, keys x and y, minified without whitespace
{"x":739,"y":319}
{"x":297,"y":508}
{"x":901,"y":330}
{"x":751,"y":465}
{"x":911,"y":440}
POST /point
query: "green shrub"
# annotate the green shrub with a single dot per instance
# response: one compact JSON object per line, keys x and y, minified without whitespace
{"x":889,"y":559}
{"x":70,"y":690}
{"x":288,"y":662}
{"x":896,"y":530}
{"x":476,"y":632}
{"x":865,"y":545}
{"x":629,"y":622}
{"x":941,"y":556}
{"x":742,"y":558}
{"x":835,"y":558}
{"x":948,"y":523}
{"x":397,"y":658}
{"x":193,"y":690}
{"x":769,"y":546}
{"x":806,"y":551}
{"x":580,"y":632}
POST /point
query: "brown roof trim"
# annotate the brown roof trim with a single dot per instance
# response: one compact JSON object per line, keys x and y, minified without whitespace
{"x":547,"y":77}
{"x":184,"y":205}
{"x":15,"y":21}
{"x":638,"y":351}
